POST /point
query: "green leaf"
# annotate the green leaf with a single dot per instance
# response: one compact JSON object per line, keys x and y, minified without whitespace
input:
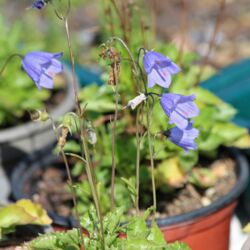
{"x":22,"y":212}
{"x":228,"y":131}
{"x":156,"y":234}
{"x":202,"y":177}
{"x":188,"y":160}
{"x":169,"y":172}
{"x":131,"y":187}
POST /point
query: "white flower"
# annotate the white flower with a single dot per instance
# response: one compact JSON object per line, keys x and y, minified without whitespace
{"x":136,"y":101}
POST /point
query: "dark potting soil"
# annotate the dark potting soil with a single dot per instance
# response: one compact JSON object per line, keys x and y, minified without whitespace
{"x":51,"y":190}
{"x":191,"y":197}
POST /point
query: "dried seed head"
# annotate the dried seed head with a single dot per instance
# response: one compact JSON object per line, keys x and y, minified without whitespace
{"x":63,"y":137}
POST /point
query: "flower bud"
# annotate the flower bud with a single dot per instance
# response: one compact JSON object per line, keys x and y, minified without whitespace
{"x":92,"y":139}
{"x":69,"y":121}
{"x":39,"y":115}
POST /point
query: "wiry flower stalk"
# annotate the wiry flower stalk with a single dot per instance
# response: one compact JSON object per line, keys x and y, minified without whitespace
{"x":85,"y":153}
{"x":85,"y":147}
{"x":61,"y":142}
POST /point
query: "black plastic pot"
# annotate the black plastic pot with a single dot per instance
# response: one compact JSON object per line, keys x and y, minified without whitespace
{"x":225,"y":204}
{"x":40,"y":160}
{"x":17,"y":141}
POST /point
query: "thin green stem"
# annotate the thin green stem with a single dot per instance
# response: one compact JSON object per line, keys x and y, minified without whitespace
{"x":72,"y":59}
{"x":80,"y":230}
{"x":92,"y":182}
{"x":85,"y":148}
{"x":114,"y":139}
{"x":151,"y":157}
{"x":128,"y":50}
{"x":76,"y":156}
{"x":8,"y":60}
{"x":138,"y":151}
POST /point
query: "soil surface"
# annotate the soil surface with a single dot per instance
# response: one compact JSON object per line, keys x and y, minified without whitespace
{"x":51,"y":190}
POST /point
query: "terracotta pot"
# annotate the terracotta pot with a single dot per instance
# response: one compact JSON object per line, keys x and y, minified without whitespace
{"x":206,"y":228}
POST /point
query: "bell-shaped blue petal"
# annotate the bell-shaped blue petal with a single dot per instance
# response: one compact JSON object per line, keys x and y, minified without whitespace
{"x":184,"y":138}
{"x":179,"y":108}
{"x":159,"y":69}
{"x":38,"y":4}
{"x":41,"y":67}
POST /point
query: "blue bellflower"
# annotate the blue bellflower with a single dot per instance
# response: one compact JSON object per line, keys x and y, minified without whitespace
{"x":38,"y":4}
{"x":183,"y":137}
{"x":41,"y":67}
{"x":179,"y":108}
{"x":159,"y":69}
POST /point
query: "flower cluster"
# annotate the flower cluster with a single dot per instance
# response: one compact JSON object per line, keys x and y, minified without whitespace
{"x":180,"y":109}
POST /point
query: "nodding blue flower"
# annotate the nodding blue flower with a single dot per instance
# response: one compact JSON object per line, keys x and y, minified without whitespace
{"x":39,"y":4}
{"x":179,"y":108}
{"x":184,"y":138}
{"x":41,"y":67}
{"x":159,"y":69}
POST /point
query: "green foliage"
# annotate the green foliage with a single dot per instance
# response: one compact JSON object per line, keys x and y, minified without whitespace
{"x":137,"y":235}
{"x":23,"y":212}
{"x":18,"y":93}
{"x":202,"y":177}
{"x":173,"y":165}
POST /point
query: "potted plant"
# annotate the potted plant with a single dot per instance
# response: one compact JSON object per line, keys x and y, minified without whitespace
{"x":103,"y":233}
{"x":150,"y":119}
{"x":18,"y":134}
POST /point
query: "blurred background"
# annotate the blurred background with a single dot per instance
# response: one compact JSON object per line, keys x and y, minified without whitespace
{"x":219,"y":31}
{"x":196,"y":19}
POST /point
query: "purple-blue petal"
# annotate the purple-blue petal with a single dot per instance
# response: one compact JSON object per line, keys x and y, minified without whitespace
{"x":184,"y":138}
{"x":179,"y":108}
{"x":179,"y":120}
{"x":173,"y":68}
{"x":151,"y":58}
{"x":157,"y":77}
{"x":46,"y":81}
{"x":38,"y":4}
{"x":159,"y":69}
{"x":33,"y":71}
{"x":41,"y":67}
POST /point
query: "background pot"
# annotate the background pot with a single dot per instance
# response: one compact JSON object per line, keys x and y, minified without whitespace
{"x":208,"y":227}
{"x":200,"y":228}
{"x":31,"y":136}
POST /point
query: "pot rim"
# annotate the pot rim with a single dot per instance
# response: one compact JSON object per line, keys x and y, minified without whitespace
{"x":21,"y":131}
{"x":242,"y":173}
{"x":231,"y":196}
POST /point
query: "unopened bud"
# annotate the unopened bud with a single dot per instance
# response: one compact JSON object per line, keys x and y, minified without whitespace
{"x":91,"y":136}
{"x":69,"y":121}
{"x":39,"y":115}
{"x":136,"y":101}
